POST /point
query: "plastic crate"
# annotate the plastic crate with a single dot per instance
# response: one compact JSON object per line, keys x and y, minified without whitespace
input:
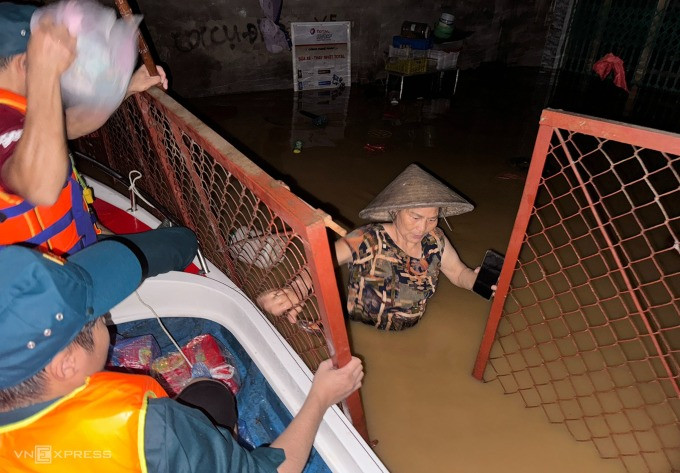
{"x":407,"y":53}
{"x":444,"y":60}
{"x":401,"y":42}
{"x":407,"y":66}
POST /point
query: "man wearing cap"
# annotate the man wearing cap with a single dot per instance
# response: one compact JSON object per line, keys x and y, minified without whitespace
{"x":59,"y":410}
{"x":41,"y":201}
{"x":394,"y":266}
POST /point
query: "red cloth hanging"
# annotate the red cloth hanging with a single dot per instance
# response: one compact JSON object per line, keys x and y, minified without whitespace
{"x":608,"y":64}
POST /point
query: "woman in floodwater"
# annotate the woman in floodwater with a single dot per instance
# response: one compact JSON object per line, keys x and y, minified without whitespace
{"x":394,"y":266}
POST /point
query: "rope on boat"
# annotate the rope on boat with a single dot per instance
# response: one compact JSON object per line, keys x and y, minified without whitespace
{"x":160,"y":322}
{"x":133,"y":190}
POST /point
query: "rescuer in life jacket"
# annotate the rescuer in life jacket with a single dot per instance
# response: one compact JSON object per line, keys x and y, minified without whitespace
{"x":41,"y":201}
{"x":58,"y":409}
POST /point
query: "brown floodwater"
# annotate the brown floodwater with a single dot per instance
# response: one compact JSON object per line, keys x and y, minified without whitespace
{"x":422,"y":405}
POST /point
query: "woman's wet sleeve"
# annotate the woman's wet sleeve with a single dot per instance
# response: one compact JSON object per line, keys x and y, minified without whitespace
{"x":356,"y":240}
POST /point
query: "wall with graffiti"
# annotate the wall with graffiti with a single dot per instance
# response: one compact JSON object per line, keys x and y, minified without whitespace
{"x":221,"y":47}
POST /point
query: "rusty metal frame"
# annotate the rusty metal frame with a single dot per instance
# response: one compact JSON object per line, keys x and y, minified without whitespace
{"x":516,"y":239}
{"x":308,"y":223}
{"x":585,"y":320}
{"x":551,"y":123}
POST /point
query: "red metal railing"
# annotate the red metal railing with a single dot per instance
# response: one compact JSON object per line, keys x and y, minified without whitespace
{"x":249,"y":225}
{"x":585,"y":322}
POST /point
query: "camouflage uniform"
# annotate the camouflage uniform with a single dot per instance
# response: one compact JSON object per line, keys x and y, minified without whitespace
{"x":388,"y":288}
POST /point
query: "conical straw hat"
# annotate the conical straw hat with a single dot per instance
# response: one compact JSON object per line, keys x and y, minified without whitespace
{"x":415,"y":188}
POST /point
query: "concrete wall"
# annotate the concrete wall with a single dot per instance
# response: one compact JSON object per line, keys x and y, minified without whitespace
{"x":507,"y":31}
{"x":216,"y":47}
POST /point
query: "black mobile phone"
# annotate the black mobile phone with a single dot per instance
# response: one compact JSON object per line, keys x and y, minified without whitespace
{"x":488,"y":274}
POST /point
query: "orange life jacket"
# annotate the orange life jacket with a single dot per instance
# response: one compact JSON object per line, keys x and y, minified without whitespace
{"x":62,"y":228}
{"x":97,"y":427}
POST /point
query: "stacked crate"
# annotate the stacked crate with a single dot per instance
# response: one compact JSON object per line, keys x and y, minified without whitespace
{"x":406,"y":60}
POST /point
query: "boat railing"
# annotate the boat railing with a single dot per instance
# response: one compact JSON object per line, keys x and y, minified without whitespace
{"x":249,"y":225}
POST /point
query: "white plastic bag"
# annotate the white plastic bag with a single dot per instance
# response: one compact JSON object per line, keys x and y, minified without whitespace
{"x":106,"y":54}
{"x":253,"y":247}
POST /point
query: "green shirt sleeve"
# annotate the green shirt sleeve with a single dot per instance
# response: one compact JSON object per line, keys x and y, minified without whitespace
{"x":180,"y":439}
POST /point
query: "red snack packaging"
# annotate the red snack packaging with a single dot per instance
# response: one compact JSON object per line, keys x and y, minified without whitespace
{"x":174,"y":373}
{"x":134,"y":354}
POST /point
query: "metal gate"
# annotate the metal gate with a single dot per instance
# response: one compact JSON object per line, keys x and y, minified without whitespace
{"x":645,"y":34}
{"x":586,"y":320}
{"x":250,"y":226}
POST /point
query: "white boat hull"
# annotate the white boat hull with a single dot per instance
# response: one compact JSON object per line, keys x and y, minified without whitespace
{"x":215,"y":297}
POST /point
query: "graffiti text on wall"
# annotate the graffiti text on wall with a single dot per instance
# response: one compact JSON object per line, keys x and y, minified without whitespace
{"x":206,"y":37}
{"x":331,"y":17}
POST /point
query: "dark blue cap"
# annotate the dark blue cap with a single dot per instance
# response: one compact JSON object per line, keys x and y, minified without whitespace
{"x":46,"y":301}
{"x":15,"y":28}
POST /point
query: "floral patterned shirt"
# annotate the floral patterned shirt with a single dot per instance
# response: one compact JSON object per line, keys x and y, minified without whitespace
{"x":388,"y":288}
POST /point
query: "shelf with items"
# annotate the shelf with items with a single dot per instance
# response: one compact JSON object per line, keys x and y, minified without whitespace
{"x":422,"y":55}
{"x":443,"y":60}
{"x":407,"y":60}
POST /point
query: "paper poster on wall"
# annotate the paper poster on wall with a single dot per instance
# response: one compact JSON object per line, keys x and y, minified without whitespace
{"x":321,"y":55}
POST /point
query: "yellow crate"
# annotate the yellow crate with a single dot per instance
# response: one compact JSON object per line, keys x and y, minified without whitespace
{"x":407,"y":66}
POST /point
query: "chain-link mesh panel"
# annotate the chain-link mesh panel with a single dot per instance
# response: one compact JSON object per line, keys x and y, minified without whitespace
{"x":663,"y":69}
{"x":251,"y":227}
{"x":599,"y":27}
{"x":645,"y":35}
{"x":586,"y":318}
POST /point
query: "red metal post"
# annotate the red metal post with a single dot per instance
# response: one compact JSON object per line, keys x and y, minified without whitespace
{"x":326,"y":290}
{"x":516,"y":240}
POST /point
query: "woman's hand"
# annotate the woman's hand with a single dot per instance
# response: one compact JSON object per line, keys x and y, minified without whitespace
{"x":493,"y":288}
{"x":280,"y":302}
